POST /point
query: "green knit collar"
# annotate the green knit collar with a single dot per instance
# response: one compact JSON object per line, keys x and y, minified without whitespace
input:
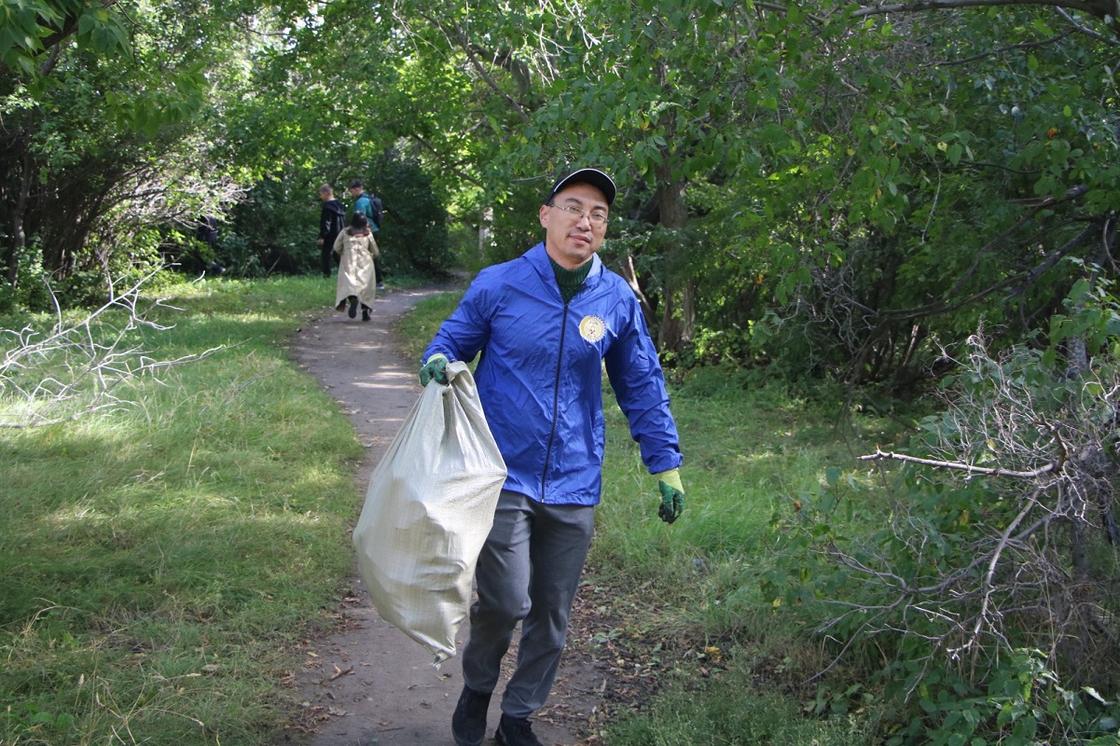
{"x":570,"y":280}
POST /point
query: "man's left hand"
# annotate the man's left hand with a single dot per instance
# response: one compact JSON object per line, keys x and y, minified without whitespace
{"x":672,"y":495}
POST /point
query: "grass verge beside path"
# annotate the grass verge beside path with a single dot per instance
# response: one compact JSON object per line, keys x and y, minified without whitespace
{"x":159,"y":560}
{"x":729,"y":670}
{"x":685,"y":599}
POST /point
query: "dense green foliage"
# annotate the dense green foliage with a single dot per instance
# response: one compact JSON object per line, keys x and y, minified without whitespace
{"x":841,"y":190}
{"x":125,"y":124}
{"x":105,"y":140}
{"x":845,"y":194}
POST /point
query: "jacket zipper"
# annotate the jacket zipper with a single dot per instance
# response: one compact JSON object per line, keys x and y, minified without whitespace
{"x":555,"y":397}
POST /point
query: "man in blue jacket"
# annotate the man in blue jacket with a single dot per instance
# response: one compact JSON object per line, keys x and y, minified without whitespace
{"x":545,"y":323}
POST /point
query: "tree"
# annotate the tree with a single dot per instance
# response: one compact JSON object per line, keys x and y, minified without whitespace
{"x":32,"y":43}
{"x":109,"y":114}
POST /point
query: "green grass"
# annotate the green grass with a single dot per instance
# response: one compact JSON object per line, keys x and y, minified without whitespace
{"x":418,"y":327}
{"x":732,"y":712}
{"x":158,"y":561}
{"x":751,"y":448}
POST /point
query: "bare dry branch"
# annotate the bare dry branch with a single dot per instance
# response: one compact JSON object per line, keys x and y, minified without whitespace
{"x":922,"y":5}
{"x":1020,"y":561}
{"x":971,"y":468}
{"x":1083,"y":29}
{"x":79,"y":369}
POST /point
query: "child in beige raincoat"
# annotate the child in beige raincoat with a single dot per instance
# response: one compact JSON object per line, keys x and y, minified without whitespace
{"x":356,"y":281}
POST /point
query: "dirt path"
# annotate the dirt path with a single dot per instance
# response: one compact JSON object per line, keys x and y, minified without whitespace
{"x":367,"y":683}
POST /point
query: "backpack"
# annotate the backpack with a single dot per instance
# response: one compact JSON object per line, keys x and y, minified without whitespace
{"x":337,"y":223}
{"x":375,"y":211}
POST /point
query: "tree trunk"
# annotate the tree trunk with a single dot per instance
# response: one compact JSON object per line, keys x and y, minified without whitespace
{"x":64,"y":239}
{"x":1094,"y":458}
{"x":688,"y":310}
{"x":668,"y":331}
{"x":19,"y":234}
{"x":678,"y":317}
{"x":631,"y":276}
{"x":1078,"y":553}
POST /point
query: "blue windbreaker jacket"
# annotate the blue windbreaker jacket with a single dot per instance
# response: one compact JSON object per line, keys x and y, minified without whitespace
{"x":364,"y":204}
{"x":540,"y":374}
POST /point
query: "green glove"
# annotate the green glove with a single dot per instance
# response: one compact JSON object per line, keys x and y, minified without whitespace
{"x":672,"y":495}
{"x":434,"y":370}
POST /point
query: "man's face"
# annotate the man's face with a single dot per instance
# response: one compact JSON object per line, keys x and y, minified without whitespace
{"x":570,"y":238}
{"x":355,"y":191}
{"x":324,"y":196}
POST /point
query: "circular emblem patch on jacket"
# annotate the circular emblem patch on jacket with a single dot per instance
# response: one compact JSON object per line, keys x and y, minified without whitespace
{"x":592,"y":328}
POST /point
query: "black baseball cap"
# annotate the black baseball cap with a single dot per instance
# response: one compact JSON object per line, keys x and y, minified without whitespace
{"x":592,"y":176}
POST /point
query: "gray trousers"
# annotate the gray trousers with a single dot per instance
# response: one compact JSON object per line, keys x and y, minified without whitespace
{"x":528,"y":571}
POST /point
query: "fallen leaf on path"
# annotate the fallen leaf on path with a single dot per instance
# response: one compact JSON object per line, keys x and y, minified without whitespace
{"x":340,"y":672}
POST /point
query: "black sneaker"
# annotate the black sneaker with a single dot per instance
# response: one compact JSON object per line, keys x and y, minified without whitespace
{"x":353,"y":306}
{"x":515,"y":732}
{"x":468,"y":724}
{"x":365,"y":313}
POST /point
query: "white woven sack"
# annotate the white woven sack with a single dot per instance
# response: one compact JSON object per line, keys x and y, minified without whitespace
{"x":428,"y":510}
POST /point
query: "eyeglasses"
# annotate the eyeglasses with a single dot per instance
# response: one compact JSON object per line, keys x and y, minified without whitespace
{"x":597,"y":218}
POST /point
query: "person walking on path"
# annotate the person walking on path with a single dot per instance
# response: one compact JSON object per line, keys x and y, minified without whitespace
{"x":332,"y":221}
{"x":545,"y":323}
{"x":370,"y":206}
{"x":357,"y":250}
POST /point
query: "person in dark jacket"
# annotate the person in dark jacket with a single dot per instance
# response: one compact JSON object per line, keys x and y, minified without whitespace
{"x":332,"y":219}
{"x":545,"y":323}
{"x":206,"y":231}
